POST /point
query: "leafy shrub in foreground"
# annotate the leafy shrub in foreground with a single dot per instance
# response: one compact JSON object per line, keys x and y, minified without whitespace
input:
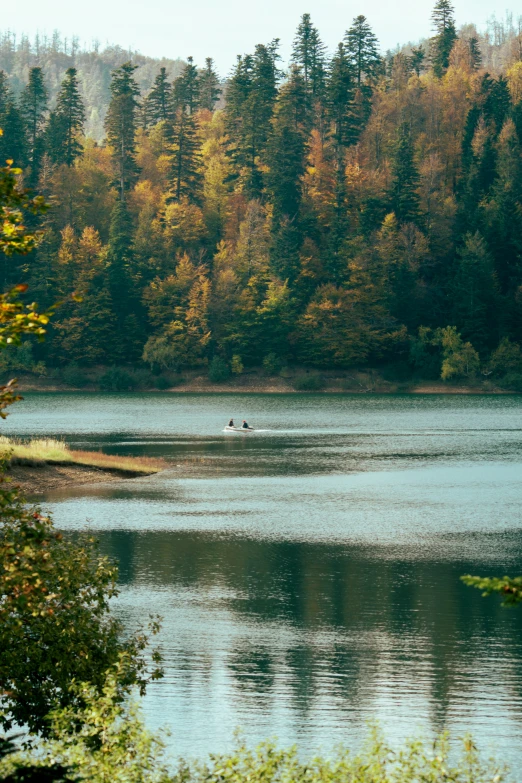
{"x":110,"y":743}
{"x":55,"y":618}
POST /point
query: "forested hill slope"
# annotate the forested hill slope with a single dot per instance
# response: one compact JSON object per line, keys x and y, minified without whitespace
{"x":94,"y":66}
{"x":353,"y":210}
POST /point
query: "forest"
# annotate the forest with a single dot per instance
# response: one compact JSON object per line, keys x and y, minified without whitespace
{"x":351,"y":210}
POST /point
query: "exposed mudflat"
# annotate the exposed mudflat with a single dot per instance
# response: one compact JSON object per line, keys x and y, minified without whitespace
{"x":41,"y":479}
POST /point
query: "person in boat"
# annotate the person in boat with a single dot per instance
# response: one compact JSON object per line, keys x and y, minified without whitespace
{"x":245,"y":425}
{"x":231,"y":423}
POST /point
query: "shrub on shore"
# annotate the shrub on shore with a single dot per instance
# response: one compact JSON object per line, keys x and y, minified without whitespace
{"x":218,"y":371}
{"x":310,"y":382}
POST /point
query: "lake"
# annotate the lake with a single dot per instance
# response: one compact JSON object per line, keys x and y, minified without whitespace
{"x":308,"y":573}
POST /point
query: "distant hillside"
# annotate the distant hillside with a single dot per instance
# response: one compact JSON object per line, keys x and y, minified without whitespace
{"x":55,"y":55}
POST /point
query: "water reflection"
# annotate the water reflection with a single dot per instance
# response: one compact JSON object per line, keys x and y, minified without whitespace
{"x":309,"y":641}
{"x":309,"y":575}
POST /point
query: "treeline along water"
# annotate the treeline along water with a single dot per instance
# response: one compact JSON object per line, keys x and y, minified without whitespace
{"x":308,"y":574}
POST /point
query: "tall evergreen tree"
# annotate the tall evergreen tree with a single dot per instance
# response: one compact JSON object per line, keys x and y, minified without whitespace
{"x":209,"y":89}
{"x":502,"y":214}
{"x":186,"y":175}
{"x":120,"y":125}
{"x":475,"y":54}
{"x":362,"y":49}
{"x":474,"y":294}
{"x":341,"y":91}
{"x":286,"y":155}
{"x":186,"y":88}
{"x":66,"y":122}
{"x":286,"y":159}
{"x":160,"y":100}
{"x":33,"y":105}
{"x":417,"y":58}
{"x":4,"y":94}
{"x":443,"y":19}
{"x":13,"y":139}
{"x":309,"y":54}
{"x":344,"y":132}
{"x":251,"y":99}
{"x":405,"y":179}
{"x":122,"y":285}
{"x":292,"y":101}
{"x":13,"y":142}
{"x":496,"y":101}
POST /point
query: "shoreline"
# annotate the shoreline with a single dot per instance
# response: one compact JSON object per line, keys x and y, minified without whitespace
{"x":270,"y":388}
{"x":258,"y":384}
{"x":37,"y":480}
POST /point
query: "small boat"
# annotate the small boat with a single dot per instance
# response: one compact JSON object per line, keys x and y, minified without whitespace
{"x":239,"y":429}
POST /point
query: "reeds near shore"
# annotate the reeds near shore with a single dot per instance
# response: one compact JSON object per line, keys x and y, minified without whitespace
{"x":43,"y":451}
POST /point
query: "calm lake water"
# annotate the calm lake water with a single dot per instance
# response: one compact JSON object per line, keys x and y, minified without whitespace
{"x":308,"y":573}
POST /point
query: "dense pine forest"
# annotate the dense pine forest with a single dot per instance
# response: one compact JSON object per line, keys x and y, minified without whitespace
{"x":353,"y":210}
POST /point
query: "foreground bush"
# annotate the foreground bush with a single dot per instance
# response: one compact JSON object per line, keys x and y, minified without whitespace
{"x":106,"y":742}
{"x":55,"y":622}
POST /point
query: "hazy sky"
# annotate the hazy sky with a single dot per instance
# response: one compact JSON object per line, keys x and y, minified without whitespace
{"x":223,"y":28}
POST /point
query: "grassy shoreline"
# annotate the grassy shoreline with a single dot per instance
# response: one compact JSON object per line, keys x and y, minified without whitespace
{"x":47,"y":451}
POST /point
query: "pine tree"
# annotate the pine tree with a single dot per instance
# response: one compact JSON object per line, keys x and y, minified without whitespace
{"x":496,"y":101}
{"x":291,"y":103}
{"x":475,"y":54}
{"x":121,"y":284}
{"x":251,"y":97}
{"x":474,"y":294}
{"x":442,"y":43}
{"x":120,"y":125}
{"x":502,"y":215}
{"x":33,"y":105}
{"x":209,"y":89}
{"x":186,"y":88}
{"x":66,"y":122}
{"x":405,"y":179}
{"x":4,"y":94}
{"x":286,"y":158}
{"x":362,"y":50}
{"x":309,"y":54}
{"x":344,"y":132}
{"x":340,"y":92}
{"x":13,"y":142}
{"x":186,"y":175}
{"x":417,"y":59}
{"x":160,"y":100}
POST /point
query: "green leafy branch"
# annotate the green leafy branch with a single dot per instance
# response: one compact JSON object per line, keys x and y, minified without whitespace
{"x":509,"y":588}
